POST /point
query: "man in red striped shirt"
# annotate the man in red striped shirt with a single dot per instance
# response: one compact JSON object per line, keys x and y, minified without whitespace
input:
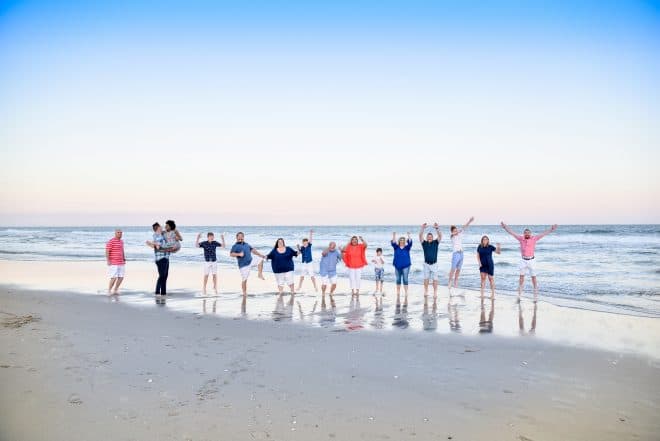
{"x":114,"y":255}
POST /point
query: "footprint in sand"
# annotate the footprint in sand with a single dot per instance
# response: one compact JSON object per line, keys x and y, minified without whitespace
{"x":74,"y":399}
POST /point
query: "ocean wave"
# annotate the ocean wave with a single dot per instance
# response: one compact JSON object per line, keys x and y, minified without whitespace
{"x":598,"y":231}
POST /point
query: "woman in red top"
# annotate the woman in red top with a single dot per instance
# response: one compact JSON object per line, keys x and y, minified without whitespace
{"x":354,"y":257}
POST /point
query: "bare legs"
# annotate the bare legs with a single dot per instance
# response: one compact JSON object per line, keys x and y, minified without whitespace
{"x":332,"y":291}
{"x":453,"y":274}
{"x":260,"y":268}
{"x":491,"y":280}
{"x":113,"y":286}
{"x":521,"y":283}
{"x":435,"y":288}
{"x":313,"y":283}
{"x":215,"y":283}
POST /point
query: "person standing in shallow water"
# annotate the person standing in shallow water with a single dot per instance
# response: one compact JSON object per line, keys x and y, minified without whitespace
{"x":457,"y":252}
{"x":161,"y":257}
{"x":210,"y":258}
{"x":354,"y":257}
{"x":243,"y":252}
{"x":527,"y":261}
{"x":328,"y":271}
{"x":401,"y":264}
{"x":307,"y":265}
{"x":281,"y":257}
{"x":114,"y":255}
{"x":430,"y":248}
{"x":486,"y":265}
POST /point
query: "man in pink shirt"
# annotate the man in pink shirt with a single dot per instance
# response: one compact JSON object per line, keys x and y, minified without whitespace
{"x":114,"y":255}
{"x":527,"y":246}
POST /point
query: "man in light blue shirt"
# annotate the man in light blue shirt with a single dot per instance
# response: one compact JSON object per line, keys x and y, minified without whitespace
{"x":243,"y":252}
{"x":328,"y":271}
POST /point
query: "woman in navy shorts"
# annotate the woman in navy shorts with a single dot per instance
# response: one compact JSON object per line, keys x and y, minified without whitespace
{"x":486,"y":264}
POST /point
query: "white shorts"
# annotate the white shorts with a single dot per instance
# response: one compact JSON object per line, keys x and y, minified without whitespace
{"x":210,"y":268}
{"x":116,"y":271}
{"x":284,"y":279}
{"x":307,"y":269}
{"x":431,"y":271}
{"x":245,"y":270}
{"x":329,"y":280}
{"x":527,"y":266}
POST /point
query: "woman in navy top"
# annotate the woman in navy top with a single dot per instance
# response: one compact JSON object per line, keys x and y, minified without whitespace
{"x":281,"y":257}
{"x":401,"y":263}
{"x":486,"y":265}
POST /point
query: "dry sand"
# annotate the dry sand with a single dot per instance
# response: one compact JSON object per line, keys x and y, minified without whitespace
{"x":76,"y":367}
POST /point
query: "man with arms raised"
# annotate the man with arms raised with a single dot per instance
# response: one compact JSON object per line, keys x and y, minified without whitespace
{"x":430,"y":247}
{"x":527,"y":262}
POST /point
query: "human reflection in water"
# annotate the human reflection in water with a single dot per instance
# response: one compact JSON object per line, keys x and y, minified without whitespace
{"x":213,"y":306}
{"x":378,"y":321}
{"x":486,"y":326}
{"x":243,"y":306}
{"x":283,"y":312}
{"x":400,"y":316}
{"x":355,"y":317}
{"x":160,"y":300}
{"x":521,"y":320}
{"x":328,"y":316}
{"x":454,"y":321}
{"x":430,"y":319}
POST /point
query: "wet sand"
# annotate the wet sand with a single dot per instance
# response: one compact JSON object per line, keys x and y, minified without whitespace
{"x":76,"y":367}
{"x":462,"y":313}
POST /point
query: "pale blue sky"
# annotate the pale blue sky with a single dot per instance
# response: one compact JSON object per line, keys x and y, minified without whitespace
{"x":281,"y":112}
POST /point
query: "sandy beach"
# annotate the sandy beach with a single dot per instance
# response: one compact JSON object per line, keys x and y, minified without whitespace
{"x":78,"y":367}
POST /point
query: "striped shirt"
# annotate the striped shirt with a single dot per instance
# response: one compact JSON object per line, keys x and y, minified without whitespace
{"x":115,"y":250}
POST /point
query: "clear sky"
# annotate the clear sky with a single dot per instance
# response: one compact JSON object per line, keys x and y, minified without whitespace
{"x":282,"y":112}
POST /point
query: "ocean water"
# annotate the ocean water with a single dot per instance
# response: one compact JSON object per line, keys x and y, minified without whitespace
{"x":612,"y":268}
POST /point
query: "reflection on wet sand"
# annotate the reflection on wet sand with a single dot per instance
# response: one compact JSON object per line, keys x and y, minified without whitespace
{"x":355,"y":316}
{"x":452,"y":310}
{"x":401,"y":316}
{"x":430,"y":319}
{"x":283,"y":312}
{"x":521,"y":320}
{"x":160,"y":300}
{"x":378,"y":322}
{"x":328,"y":316}
{"x":214,"y":306}
{"x":486,"y":326}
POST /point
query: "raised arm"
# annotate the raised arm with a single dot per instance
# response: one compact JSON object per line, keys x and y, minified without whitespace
{"x":509,"y":230}
{"x":363,"y":241}
{"x":467,"y":224}
{"x":437,"y":230}
{"x":546,"y":232}
{"x":311,"y":235}
{"x":197,"y":240}
{"x":393,"y":237}
{"x":222,"y":241}
{"x":498,"y":248}
{"x":421,"y":232}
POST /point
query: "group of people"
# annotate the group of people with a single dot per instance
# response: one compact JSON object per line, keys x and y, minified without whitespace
{"x":353,"y":255}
